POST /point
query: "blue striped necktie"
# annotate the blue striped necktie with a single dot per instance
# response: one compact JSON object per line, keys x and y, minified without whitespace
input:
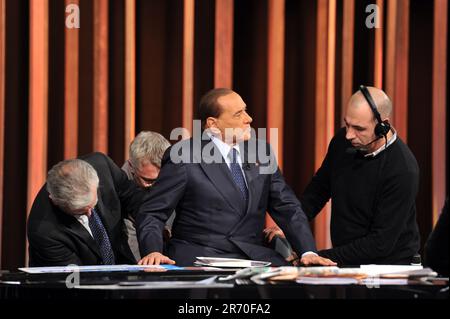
{"x":101,"y":237}
{"x":236,"y":173}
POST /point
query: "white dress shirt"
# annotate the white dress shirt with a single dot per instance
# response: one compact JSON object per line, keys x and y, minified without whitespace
{"x":84,"y":220}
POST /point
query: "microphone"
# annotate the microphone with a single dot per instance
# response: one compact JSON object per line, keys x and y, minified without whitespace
{"x":353,"y":150}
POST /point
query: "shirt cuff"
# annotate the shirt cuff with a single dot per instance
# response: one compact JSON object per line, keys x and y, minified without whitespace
{"x":309,"y":253}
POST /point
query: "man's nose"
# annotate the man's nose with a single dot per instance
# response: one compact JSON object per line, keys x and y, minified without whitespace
{"x":248,"y":118}
{"x":349,"y":135}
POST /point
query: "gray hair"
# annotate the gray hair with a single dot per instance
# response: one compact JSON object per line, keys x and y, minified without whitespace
{"x":70,"y":184}
{"x":148,"y":147}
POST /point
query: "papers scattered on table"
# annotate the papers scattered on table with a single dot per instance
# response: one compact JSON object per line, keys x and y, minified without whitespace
{"x":369,"y":275}
{"x":229,"y":262}
{"x":99,"y":268}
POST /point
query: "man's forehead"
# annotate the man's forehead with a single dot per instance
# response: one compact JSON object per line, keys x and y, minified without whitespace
{"x":231,"y":101}
{"x":358,"y":113}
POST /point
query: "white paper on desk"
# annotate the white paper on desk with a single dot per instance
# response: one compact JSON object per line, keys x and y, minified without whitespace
{"x":230,"y":262}
{"x":327,"y":281}
{"x":378,"y":270}
{"x":375,"y":282}
{"x":96,"y":268}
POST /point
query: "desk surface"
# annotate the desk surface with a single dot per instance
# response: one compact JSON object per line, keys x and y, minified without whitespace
{"x":192,"y":284}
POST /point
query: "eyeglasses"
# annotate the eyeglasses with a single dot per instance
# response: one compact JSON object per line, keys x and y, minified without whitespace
{"x":144,"y":181}
{"x":147,"y":181}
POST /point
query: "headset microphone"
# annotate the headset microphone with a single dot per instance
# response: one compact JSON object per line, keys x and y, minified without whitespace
{"x":383,"y":127}
{"x":352,"y":150}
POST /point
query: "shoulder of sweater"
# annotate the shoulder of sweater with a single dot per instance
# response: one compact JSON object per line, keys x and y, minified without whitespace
{"x":401,"y":159}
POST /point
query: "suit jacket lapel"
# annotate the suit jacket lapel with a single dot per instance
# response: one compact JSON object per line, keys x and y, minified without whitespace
{"x":220,"y":175}
{"x":75,"y":227}
{"x":251,"y":171}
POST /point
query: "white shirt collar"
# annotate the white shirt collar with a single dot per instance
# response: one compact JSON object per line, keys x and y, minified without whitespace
{"x":384,"y":146}
{"x":84,"y":220}
{"x":224,"y":148}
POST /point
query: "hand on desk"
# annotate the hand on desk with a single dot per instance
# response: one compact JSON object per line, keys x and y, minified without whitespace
{"x":156,"y":259}
{"x":313,"y":259}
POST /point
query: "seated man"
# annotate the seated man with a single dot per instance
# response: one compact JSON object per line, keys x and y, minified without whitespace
{"x":146,"y":152}
{"x":77,"y":216}
{"x":221,"y":189}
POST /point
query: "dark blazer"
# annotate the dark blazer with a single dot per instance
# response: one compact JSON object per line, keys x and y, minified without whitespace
{"x":58,"y":239}
{"x":212,"y":218}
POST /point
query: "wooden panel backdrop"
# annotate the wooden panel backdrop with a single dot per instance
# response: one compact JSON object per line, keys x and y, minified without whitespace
{"x":143,"y":65}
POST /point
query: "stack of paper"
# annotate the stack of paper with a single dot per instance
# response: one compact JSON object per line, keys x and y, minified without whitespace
{"x":229,"y":262}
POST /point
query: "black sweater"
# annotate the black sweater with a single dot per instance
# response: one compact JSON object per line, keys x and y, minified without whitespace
{"x":373,"y":216}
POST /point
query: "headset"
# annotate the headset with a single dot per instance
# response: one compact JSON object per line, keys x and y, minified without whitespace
{"x":383,"y":127}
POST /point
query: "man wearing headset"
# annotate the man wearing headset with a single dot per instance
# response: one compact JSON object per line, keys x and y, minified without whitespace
{"x":372,"y":178}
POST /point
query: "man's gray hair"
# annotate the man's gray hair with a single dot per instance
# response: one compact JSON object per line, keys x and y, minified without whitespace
{"x":148,"y":147}
{"x":70,"y":184}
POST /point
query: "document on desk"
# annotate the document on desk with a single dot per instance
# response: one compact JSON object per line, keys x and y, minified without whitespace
{"x":380,"y":270}
{"x":98,"y":268}
{"x":229,"y":262}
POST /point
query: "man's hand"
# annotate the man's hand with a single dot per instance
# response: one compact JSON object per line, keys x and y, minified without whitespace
{"x":271,"y":232}
{"x":292,"y":258}
{"x":313,"y":259}
{"x":156,"y":259}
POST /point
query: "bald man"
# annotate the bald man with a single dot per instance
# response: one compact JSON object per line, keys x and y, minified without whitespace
{"x":372,"y":178}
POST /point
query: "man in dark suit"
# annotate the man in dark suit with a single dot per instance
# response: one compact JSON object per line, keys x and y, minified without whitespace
{"x":221,"y":188}
{"x":77,"y":216}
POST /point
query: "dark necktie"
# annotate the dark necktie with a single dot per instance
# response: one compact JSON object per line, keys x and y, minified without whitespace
{"x":101,"y":237}
{"x":236,"y":172}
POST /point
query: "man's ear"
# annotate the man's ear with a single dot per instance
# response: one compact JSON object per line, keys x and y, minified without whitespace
{"x":211,"y":125}
{"x":211,"y":122}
